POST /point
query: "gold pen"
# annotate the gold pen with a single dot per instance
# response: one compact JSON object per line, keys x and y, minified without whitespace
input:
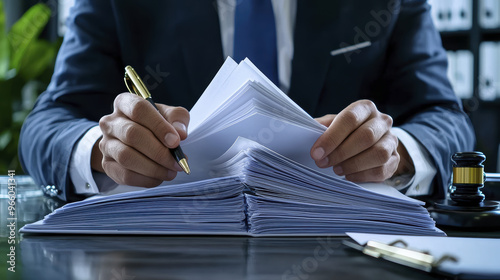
{"x":137,"y":87}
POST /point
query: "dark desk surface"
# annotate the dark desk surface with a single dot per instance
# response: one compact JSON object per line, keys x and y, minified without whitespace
{"x":179,"y":257}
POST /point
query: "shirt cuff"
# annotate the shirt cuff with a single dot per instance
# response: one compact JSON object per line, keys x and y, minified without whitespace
{"x":85,"y":180}
{"x":421,"y":182}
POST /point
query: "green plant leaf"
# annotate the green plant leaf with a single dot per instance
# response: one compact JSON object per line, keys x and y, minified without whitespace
{"x":25,"y":31}
{"x":4,"y":45}
{"x":5,"y":138}
{"x":38,"y":57}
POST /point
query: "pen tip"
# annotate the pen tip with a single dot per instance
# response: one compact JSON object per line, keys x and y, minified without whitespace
{"x":184,"y":165}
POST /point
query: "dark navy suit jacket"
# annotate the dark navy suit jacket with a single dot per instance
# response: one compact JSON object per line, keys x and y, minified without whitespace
{"x":176,"y":47}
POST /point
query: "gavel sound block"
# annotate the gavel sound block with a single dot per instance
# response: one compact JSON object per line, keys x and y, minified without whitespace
{"x":466,"y":206}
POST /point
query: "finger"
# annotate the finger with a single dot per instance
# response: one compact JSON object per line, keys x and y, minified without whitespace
{"x":142,"y":112}
{"x":341,"y":127}
{"x":132,"y":160}
{"x":326,"y":120}
{"x":177,"y":116}
{"x":141,"y":139}
{"x":367,"y":135}
{"x":375,"y":156}
{"x":127,"y":177}
{"x":377,"y":174}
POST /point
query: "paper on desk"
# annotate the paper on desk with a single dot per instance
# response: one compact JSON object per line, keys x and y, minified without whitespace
{"x":476,"y":256}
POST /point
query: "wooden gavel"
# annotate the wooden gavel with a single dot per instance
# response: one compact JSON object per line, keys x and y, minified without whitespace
{"x":469,"y":178}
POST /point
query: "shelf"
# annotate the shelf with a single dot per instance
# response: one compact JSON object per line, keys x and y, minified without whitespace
{"x":456,"y":42}
{"x":490,"y":36}
{"x":484,"y":115}
{"x":455,"y":33}
{"x":490,"y":30}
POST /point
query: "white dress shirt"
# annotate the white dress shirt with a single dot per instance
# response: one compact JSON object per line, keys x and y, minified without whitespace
{"x":86,"y":181}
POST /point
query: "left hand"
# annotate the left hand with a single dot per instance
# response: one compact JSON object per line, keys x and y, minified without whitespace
{"x":358,"y":144}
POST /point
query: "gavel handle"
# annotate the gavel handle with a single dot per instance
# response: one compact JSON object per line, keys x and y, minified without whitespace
{"x":492,"y":177}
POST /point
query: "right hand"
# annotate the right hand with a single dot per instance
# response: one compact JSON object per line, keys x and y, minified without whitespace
{"x":134,"y":148}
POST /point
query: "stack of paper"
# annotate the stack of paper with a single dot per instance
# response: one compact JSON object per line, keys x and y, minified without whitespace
{"x":288,"y":198}
{"x":248,"y":147}
{"x":214,"y":205}
{"x":264,"y":193}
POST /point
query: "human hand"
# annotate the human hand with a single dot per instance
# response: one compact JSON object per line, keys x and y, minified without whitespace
{"x":134,"y":149}
{"x":358,"y":144}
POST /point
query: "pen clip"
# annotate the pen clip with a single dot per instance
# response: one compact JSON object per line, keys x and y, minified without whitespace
{"x":134,"y":83}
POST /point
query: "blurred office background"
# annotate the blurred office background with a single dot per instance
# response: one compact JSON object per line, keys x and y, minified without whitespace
{"x":30,"y":35}
{"x":470,"y":31}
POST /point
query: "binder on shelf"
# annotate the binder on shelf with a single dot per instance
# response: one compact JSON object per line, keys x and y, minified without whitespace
{"x":451,"y":15}
{"x":438,"y":14}
{"x":461,"y":18}
{"x":489,"y":13}
{"x":459,"y":257}
{"x":488,"y":70}
{"x":460,"y":72}
{"x":464,"y":61}
{"x":447,"y":15}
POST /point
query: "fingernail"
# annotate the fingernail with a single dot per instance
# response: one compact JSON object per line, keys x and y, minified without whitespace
{"x":171,"y":139}
{"x":318,"y":154}
{"x":338,"y":170}
{"x":179,"y":126}
{"x":322,"y":163}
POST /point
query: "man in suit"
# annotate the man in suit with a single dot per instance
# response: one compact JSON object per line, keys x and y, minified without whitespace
{"x":345,"y":62}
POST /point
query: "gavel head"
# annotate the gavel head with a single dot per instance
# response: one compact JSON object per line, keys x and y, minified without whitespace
{"x":468,"y":178}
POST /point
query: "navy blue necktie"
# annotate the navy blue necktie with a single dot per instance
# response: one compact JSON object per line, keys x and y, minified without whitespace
{"x":255,"y":36}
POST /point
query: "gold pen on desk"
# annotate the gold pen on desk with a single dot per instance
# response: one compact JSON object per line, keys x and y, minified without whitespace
{"x":137,"y":87}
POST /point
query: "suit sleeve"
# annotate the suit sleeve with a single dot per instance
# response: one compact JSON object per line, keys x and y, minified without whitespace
{"x":78,"y":95}
{"x":420,"y":97}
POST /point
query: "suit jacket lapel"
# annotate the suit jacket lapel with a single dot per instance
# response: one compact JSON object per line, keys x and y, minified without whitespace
{"x":320,"y":27}
{"x":311,"y":53}
{"x":201,"y":43}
